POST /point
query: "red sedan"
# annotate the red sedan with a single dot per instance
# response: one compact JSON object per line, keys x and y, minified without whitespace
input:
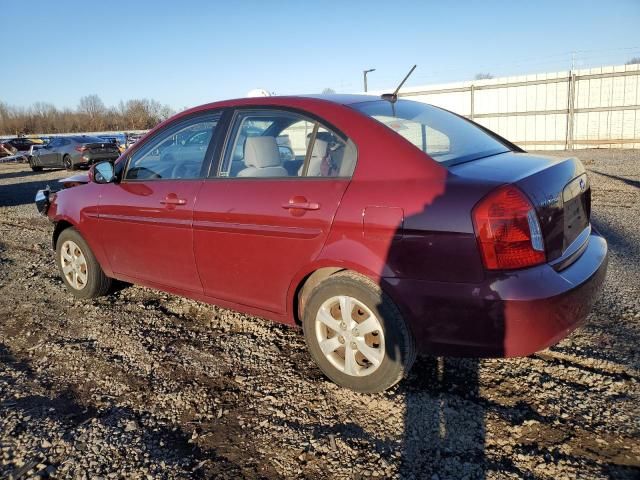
{"x":383,"y":227}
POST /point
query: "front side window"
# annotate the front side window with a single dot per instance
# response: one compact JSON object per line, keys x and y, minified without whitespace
{"x":443,"y":136}
{"x":178,"y":152}
{"x":273,"y":143}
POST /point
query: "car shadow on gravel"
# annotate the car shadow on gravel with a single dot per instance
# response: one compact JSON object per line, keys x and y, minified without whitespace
{"x":22,"y":174}
{"x":164,"y":444}
{"x":444,"y":421}
{"x":444,"y":427}
{"x":22,"y":193}
{"x":628,"y":181}
{"x":619,"y":242}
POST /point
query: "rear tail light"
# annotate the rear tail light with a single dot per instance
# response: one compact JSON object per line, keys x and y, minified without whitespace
{"x":82,"y":148}
{"x":507,"y":230}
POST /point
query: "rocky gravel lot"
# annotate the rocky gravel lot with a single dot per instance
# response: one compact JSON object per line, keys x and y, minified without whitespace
{"x":142,"y":384}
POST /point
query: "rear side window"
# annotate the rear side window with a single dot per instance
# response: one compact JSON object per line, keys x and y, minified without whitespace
{"x":445,"y":137}
{"x":273,"y":143}
{"x":177,"y":152}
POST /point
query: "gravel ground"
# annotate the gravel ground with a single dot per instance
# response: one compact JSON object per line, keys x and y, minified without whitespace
{"x":143,"y":384}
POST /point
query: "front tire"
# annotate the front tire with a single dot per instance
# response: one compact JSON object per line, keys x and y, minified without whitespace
{"x":78,"y":267}
{"x":370,"y":348}
{"x":67,"y":163}
{"x":35,"y":168}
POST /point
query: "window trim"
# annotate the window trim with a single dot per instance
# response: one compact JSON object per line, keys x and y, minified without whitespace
{"x":208,"y":155}
{"x":214,"y":173}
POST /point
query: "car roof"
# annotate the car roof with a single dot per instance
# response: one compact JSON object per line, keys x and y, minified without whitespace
{"x":344,"y":98}
{"x":275,"y":100}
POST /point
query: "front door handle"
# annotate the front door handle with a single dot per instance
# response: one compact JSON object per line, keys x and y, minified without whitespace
{"x":304,"y":205}
{"x":172,"y":199}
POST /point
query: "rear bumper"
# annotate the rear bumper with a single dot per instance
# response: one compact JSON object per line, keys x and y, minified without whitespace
{"x":88,"y":159}
{"x":509,"y":314}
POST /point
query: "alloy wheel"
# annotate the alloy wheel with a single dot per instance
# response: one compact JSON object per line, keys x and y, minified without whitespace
{"x":350,"y":336}
{"x":74,"y":265}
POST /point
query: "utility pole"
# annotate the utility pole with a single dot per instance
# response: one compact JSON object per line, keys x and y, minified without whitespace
{"x":364,"y":74}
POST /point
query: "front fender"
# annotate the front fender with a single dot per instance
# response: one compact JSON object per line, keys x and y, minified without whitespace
{"x":78,"y":207}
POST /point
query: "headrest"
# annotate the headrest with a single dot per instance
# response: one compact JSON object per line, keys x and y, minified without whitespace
{"x":327,"y":137}
{"x":319,"y":149}
{"x":261,"y":152}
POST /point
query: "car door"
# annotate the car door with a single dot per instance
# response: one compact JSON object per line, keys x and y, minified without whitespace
{"x":146,"y":218}
{"x":48,"y":154}
{"x":256,"y":225}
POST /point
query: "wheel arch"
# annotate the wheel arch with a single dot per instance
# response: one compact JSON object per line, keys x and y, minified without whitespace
{"x":314,"y":276}
{"x":61,"y":225}
{"x":304,"y":287}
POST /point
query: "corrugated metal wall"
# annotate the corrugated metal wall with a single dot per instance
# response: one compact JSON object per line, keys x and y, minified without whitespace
{"x":597,"y":107}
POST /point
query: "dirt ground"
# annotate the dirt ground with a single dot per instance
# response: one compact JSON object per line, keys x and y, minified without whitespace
{"x":143,"y":384}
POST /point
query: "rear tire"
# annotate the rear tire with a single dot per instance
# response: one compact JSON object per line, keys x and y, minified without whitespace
{"x":368,"y":350}
{"x":78,"y":267}
{"x":68,"y":163}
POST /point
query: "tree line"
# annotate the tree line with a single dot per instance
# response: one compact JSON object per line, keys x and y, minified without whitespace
{"x":91,"y":115}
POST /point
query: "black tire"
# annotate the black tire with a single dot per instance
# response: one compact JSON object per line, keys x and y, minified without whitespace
{"x":67,"y":163}
{"x":35,"y":168}
{"x":97,"y":283}
{"x":399,"y":343}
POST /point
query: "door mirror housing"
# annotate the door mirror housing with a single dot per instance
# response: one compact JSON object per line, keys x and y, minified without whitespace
{"x":103,"y":172}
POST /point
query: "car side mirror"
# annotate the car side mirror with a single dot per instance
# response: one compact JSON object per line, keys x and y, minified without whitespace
{"x":103,"y":172}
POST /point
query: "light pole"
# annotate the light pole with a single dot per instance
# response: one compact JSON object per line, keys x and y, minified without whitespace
{"x":364,"y":74}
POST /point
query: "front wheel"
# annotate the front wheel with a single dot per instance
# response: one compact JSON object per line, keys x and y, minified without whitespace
{"x":79,"y":269}
{"x":68,"y":163}
{"x":356,"y":334}
{"x":35,"y":168}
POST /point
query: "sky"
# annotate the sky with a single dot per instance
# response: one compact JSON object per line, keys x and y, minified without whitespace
{"x":188,"y":52}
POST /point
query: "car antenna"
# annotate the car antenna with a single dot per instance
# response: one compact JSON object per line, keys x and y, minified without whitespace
{"x":393,"y":97}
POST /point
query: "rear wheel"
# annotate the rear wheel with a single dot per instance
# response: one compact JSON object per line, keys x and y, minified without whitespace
{"x":79,"y":269}
{"x":356,"y":334}
{"x":68,"y":163}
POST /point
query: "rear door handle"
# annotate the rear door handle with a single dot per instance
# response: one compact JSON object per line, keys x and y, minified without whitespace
{"x":301,"y":206}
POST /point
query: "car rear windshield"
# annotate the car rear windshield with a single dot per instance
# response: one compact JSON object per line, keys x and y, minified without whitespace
{"x":445,"y":137}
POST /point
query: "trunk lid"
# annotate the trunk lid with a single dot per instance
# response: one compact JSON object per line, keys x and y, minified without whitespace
{"x":558,"y":188}
{"x":101,"y":148}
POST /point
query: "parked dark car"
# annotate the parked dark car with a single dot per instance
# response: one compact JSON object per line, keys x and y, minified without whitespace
{"x":403,"y":228}
{"x":131,"y":138}
{"x":22,"y":144}
{"x":118,"y":140}
{"x":73,"y":152}
{"x":17,"y":145}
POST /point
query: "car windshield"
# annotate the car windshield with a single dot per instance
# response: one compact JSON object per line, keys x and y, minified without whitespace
{"x":443,"y":136}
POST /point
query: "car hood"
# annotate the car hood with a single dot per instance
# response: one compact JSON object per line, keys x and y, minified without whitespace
{"x":74,"y":180}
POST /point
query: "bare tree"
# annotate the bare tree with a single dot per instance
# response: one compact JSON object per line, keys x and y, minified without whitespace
{"x":328,"y":91}
{"x":90,"y":115}
{"x":94,"y":109}
{"x":483,"y":76}
{"x":633,"y":61}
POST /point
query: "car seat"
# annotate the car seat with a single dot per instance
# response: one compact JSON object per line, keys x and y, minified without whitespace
{"x":262,"y":158}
